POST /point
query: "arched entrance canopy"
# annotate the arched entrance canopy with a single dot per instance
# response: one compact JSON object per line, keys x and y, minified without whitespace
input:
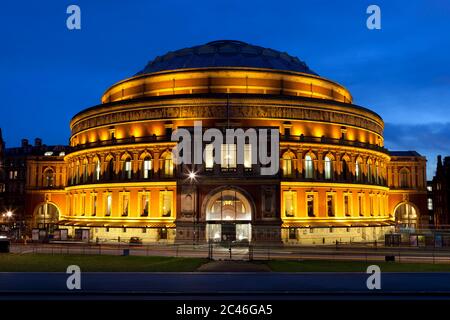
{"x":406,"y":215}
{"x":46,"y":216}
{"x":228,"y":216}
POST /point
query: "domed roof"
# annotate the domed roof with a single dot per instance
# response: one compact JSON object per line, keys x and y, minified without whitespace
{"x":226,"y":53}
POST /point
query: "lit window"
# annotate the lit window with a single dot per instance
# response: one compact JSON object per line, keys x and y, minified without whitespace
{"x":62,"y":154}
{"x":94,"y":205}
{"x":108,"y":205}
{"x":310,"y":205}
{"x":145,"y":204}
{"x":371,"y":206}
{"x":209,"y":157}
{"x":248,"y":156}
{"x":330,"y":205}
{"x":166,"y":203}
{"x":430,"y":204}
{"x":347,"y":205}
{"x":357,"y":171}
{"x":361,"y":205}
{"x":289,"y":203}
{"x":128,"y":169}
{"x":125,"y":204}
{"x":167,"y":164}
{"x":49,"y":178}
{"x":228,"y":154}
{"x":328,"y":168}
{"x":287,"y":163}
{"x":97,"y":170}
{"x":83,"y":204}
{"x":48,"y":153}
{"x":147,"y":168}
{"x":309,"y":167}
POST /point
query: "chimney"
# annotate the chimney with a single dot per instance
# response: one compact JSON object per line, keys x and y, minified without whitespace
{"x":24,"y":143}
{"x":37,"y":142}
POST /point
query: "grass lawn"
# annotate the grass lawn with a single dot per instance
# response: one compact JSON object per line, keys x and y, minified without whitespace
{"x":96,"y":263}
{"x":353,"y":266}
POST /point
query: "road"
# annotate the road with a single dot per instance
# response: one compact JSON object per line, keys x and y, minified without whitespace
{"x":223,"y":286}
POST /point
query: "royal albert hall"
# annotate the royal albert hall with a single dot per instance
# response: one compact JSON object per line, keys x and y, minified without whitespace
{"x":336,"y":180}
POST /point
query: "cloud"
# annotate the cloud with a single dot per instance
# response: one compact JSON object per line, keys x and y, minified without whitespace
{"x":430,"y":140}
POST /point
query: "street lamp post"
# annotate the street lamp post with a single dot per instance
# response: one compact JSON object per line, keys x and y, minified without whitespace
{"x":192,"y":175}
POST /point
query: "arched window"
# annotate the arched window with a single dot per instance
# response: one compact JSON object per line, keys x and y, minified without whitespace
{"x":404,"y":178}
{"x":147,"y":167}
{"x":369,"y":172}
{"x":77,"y":173}
{"x":126,"y":172}
{"x":111,"y":173}
{"x":72,"y":174}
{"x":84,"y":175}
{"x":309,"y":167}
{"x":49,"y":177}
{"x":358,"y":171}
{"x":328,"y":168}
{"x":167,"y":164}
{"x":345,"y":170}
{"x":287,"y":164}
{"x":377,"y":174}
{"x":97,"y":170}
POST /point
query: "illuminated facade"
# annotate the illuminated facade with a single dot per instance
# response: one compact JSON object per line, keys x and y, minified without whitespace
{"x":336,"y":179}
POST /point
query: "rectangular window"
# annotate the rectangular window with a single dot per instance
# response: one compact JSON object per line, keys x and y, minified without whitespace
{"x":290,"y":203}
{"x":145,"y":204}
{"x":83,"y":204}
{"x":430,"y":204}
{"x":209,"y":156}
{"x":371,"y":205}
{"x":125,"y":204}
{"x":76,"y":204}
{"x":94,"y":204}
{"x":248,"y":156}
{"x":361,"y":205}
{"x":347,"y":205}
{"x":310,"y":205}
{"x":330,"y":205}
{"x":108,"y":205}
{"x":228,"y":155}
{"x":165,"y":203}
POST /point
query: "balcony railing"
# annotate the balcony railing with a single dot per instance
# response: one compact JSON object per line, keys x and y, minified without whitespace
{"x":283,"y":138}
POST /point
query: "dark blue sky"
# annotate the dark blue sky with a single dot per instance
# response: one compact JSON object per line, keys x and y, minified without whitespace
{"x":49,"y":73}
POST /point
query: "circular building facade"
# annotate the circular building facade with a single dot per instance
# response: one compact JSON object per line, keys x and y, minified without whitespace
{"x":124,"y":180}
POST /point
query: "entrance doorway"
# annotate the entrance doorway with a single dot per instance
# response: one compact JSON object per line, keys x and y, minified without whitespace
{"x":406,"y":216}
{"x":46,"y":217}
{"x":228,"y":217}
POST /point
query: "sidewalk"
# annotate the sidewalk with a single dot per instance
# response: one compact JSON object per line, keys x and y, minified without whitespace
{"x":233,"y":266}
